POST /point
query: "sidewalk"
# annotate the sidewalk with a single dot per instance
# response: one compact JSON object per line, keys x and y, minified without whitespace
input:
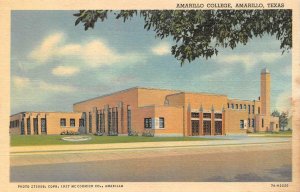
{"x":141,"y":145}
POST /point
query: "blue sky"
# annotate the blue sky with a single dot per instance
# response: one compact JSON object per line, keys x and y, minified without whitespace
{"x":55,"y":64}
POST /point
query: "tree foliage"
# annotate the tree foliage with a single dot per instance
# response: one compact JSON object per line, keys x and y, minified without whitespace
{"x":199,"y":33}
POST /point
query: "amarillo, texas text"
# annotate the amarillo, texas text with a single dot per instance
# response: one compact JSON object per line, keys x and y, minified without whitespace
{"x":229,"y":5}
{"x":65,"y":186}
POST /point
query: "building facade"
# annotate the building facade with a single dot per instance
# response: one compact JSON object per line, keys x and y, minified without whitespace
{"x":159,"y":112}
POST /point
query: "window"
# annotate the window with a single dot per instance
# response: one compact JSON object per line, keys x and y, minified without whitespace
{"x":249,"y":109}
{"x":258,"y":110}
{"x":232,"y":106}
{"x":109,"y":120}
{"x":162,"y":122}
{"x":218,"y":115}
{"x":262,"y":122}
{"x":35,"y":126}
{"x":97,"y":121}
{"x":22,"y":129}
{"x":129,"y":119}
{"x":72,"y":122}
{"x":276,"y":125}
{"x":207,"y":115}
{"x":90,"y":122}
{"x":241,"y":106}
{"x":81,"y":122}
{"x":249,"y":122}
{"x":236,"y":106}
{"x":228,"y":106}
{"x":245,"y":106}
{"x":242,"y":124}
{"x":28,"y":127}
{"x":253,"y":123}
{"x":148,"y":123}
{"x":43,"y":125}
{"x":195,"y":115}
{"x":62,"y":122}
{"x":253,"y":109}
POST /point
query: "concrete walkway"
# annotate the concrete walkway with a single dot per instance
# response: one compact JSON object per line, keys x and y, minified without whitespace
{"x":228,"y":140}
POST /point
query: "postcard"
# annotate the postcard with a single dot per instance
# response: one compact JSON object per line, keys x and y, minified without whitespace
{"x":149,"y":96}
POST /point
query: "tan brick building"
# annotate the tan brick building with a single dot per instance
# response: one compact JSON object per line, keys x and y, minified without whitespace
{"x":162,"y":112}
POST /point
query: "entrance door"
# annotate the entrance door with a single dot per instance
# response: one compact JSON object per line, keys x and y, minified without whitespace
{"x":195,"y":127}
{"x":207,"y":127}
{"x":218,"y":127}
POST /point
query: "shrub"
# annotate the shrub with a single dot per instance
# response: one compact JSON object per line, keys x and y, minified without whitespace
{"x":69,"y":133}
{"x":148,"y":133}
{"x":133,"y":133}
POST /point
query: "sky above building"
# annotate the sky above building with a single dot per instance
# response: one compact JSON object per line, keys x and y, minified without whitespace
{"x":55,"y":64}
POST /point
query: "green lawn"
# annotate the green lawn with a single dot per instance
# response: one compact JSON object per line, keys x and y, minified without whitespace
{"x":273,"y":134}
{"x":30,"y":140}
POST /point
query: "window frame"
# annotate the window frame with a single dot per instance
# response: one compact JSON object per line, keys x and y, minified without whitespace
{"x":65,"y":122}
{"x":148,"y":123}
{"x":72,"y":119}
{"x":161,"y":122}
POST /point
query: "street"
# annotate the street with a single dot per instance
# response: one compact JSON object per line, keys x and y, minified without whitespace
{"x":267,"y":162}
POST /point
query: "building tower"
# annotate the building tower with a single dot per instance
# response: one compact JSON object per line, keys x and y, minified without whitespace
{"x":265,"y":95}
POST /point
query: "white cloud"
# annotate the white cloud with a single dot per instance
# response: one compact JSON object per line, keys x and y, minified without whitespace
{"x":47,"y":49}
{"x":24,"y":83}
{"x":248,"y":60}
{"x":161,"y":49}
{"x":21,"y":82}
{"x":284,"y":102}
{"x":94,"y":53}
{"x":65,"y":71}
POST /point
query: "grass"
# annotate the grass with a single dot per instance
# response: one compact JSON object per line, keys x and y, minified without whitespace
{"x":35,"y":140}
{"x":273,"y":134}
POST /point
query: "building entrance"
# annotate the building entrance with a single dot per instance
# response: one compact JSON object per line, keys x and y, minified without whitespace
{"x":218,"y":127}
{"x":195,"y":127}
{"x":207,"y":127}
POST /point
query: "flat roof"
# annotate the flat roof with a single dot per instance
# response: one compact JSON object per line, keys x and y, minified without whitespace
{"x":44,"y":112}
{"x":149,"y":88}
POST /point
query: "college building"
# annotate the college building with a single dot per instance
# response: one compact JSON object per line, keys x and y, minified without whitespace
{"x":160,"y":112}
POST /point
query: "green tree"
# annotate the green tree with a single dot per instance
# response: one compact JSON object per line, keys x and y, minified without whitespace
{"x":283,"y":120}
{"x":199,"y":33}
{"x":275,"y":113}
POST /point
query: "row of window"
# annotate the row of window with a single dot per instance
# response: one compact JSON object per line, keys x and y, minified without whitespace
{"x":241,"y":106}
{"x":206,"y":115}
{"x":63,"y":122}
{"x":14,"y":124}
{"x":148,"y":123}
